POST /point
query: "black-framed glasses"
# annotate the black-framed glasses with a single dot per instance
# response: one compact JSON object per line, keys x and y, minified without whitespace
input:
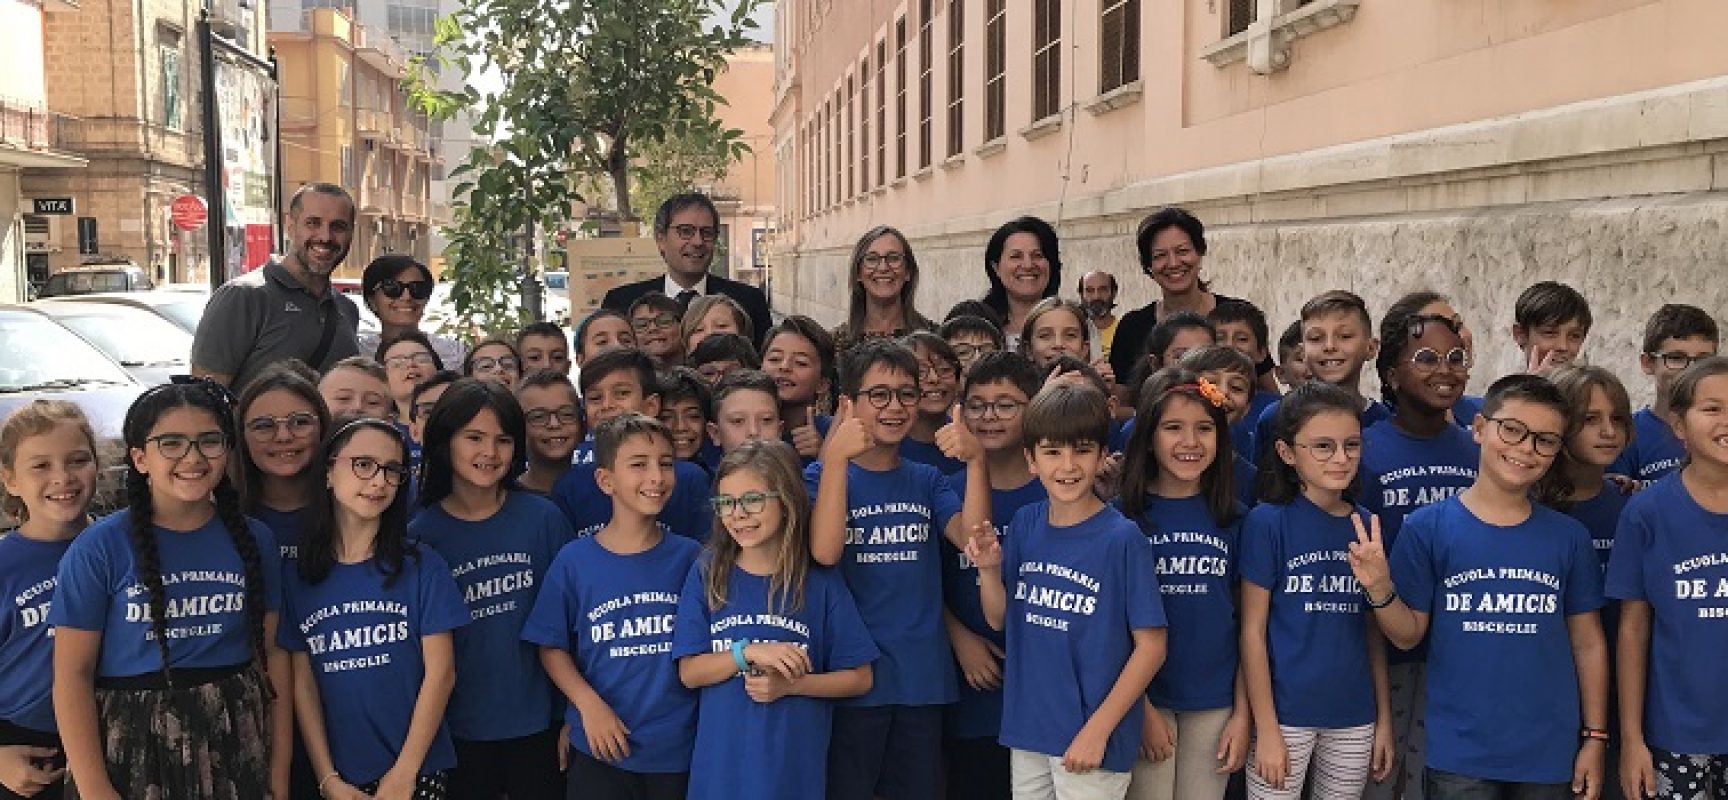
{"x":366,"y":468}
{"x":1004,"y":408}
{"x":1677,"y":360}
{"x":540,"y":417}
{"x":876,"y":261}
{"x":1419,"y":323}
{"x":393,"y":289}
{"x":880,"y":396}
{"x":488,"y":363}
{"x":967,"y":352}
{"x":752,"y":503}
{"x":1428,"y":359}
{"x":298,"y":424}
{"x":664,"y":319}
{"x":939,"y":369}
{"x":175,"y":446}
{"x":1514,"y":432}
{"x":688,"y":232}
{"x":420,"y":359}
{"x":1325,"y":450}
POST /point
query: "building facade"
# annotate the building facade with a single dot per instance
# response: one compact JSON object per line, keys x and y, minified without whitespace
{"x":346,"y":121}
{"x":1375,"y":145}
{"x":31,"y":137}
{"x":129,"y":70}
{"x":746,"y":194}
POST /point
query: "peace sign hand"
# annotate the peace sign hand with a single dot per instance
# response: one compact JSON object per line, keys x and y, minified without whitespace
{"x":1368,"y":557}
{"x":984,"y":548}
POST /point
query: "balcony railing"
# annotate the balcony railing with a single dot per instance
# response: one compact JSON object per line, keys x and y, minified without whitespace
{"x":35,"y":128}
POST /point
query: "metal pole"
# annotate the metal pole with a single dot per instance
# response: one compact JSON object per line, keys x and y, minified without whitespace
{"x":276,"y":134}
{"x":217,"y":220}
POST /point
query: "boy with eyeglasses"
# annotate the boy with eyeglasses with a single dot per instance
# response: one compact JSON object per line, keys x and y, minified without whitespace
{"x":996,"y":391}
{"x":543,"y":347}
{"x":554,"y":422}
{"x":1507,"y":593}
{"x":654,"y":319}
{"x":881,"y":518}
{"x":1676,"y":336}
{"x":970,"y":337}
{"x":719,"y":354}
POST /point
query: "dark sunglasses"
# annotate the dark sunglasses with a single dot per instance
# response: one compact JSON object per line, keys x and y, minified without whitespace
{"x":392,"y":288}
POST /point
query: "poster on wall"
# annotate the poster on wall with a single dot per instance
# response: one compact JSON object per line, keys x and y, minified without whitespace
{"x":246,"y":97}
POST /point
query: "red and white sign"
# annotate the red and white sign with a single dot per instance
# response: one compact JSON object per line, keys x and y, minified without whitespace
{"x":188,"y":212}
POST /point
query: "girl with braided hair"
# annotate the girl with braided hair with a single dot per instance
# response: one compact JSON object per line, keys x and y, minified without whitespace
{"x":167,"y":679}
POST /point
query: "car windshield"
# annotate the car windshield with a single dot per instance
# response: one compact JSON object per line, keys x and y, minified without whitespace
{"x":36,"y":354}
{"x":132,"y":336}
{"x":87,"y":282}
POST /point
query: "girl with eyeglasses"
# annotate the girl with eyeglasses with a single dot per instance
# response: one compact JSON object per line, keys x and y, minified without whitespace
{"x":165,"y":622}
{"x":368,"y":618}
{"x":408,"y":358}
{"x":938,"y":401}
{"x":282,"y":420}
{"x":396,"y":289}
{"x":494,"y":359}
{"x":884,"y":280}
{"x":498,"y":542}
{"x":1314,"y":663}
{"x":770,"y":639}
{"x":1416,"y":458}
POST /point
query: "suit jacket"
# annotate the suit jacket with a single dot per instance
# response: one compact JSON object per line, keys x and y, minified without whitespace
{"x":755,"y":303}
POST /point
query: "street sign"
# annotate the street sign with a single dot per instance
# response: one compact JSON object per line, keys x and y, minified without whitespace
{"x":187,"y":212}
{"x":57,"y":206}
{"x":87,"y":245}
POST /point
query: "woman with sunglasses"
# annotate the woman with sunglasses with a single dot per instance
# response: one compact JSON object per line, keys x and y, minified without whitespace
{"x":1416,"y":458}
{"x":396,"y":288}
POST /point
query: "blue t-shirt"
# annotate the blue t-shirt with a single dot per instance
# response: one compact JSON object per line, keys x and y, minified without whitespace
{"x":1375,"y":411}
{"x":1654,"y":451}
{"x":778,"y":750}
{"x":1195,"y":560}
{"x":289,"y":527}
{"x":583,"y":455}
{"x":1402,"y":472}
{"x":928,"y":453}
{"x":687,"y":512}
{"x":204,"y":580}
{"x":27,"y":576}
{"x":708,"y":456}
{"x":893,"y":565}
{"x":500,"y":564}
{"x":1316,"y":629}
{"x":1601,"y":517}
{"x":1242,"y":433}
{"x":1076,"y":594}
{"x":1465,"y":410}
{"x":978,"y":715}
{"x":614,"y":614}
{"x":1672,"y":553}
{"x":364,"y":641}
{"x":1502,"y":687}
{"x":1247,"y":478}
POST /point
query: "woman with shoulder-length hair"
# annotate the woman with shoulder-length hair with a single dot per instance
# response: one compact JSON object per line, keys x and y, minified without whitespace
{"x":1023,"y":266}
{"x":884,"y":279}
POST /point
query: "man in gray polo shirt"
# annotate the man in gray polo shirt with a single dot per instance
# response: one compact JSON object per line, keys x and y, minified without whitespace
{"x":286,"y":309}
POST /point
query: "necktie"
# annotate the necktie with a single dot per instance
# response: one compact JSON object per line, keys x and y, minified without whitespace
{"x":684,"y":299}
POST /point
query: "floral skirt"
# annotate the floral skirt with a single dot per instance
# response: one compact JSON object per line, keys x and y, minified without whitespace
{"x":208,"y":738}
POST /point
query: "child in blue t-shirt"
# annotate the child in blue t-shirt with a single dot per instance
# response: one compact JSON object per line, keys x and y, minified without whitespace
{"x":1241,"y":326}
{"x":553,"y":413}
{"x":367,"y":616}
{"x":998,"y":387}
{"x":1337,"y":342}
{"x":603,"y":622}
{"x":1313,"y":660}
{"x":1499,"y":581}
{"x":768,"y":638}
{"x":1416,"y":458}
{"x":1579,"y":485}
{"x":283,"y":420}
{"x":881,"y":519}
{"x":1675,"y":337}
{"x":746,"y":406}
{"x":1669,"y":573}
{"x":1084,"y":623}
{"x":686,"y":408}
{"x":616,"y":382}
{"x":1233,"y":374}
{"x":498,"y":541}
{"x":48,"y":466}
{"x":799,"y":354}
{"x":164,"y":616}
{"x":1176,"y":484}
{"x":939,"y":388}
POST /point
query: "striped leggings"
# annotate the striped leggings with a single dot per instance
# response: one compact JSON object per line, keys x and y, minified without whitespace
{"x":1340,"y":759}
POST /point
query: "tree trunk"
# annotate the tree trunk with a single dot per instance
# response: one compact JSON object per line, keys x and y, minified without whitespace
{"x":619,"y":167}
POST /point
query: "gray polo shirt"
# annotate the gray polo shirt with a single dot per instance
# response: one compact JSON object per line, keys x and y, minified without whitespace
{"x":266,"y":316}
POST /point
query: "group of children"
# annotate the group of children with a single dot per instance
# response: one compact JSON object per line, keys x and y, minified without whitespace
{"x":925,"y":566}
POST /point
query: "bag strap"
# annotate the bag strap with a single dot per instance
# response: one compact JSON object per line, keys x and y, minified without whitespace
{"x":329,"y":335}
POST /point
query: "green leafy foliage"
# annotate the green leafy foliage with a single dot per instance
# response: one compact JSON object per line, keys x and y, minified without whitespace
{"x":616,"y":92}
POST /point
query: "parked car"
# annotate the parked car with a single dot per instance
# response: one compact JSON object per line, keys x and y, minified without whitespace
{"x":147,"y":346}
{"x":182,"y":307}
{"x":99,"y":276}
{"x":39,"y":358}
{"x":556,"y":298}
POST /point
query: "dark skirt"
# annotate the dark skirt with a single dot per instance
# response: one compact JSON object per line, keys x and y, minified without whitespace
{"x":426,"y":787}
{"x":204,"y":740}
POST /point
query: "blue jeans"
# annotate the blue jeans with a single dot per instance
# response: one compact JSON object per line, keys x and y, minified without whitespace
{"x":1440,"y":785}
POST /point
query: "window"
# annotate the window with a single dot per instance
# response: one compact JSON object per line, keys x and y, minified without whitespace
{"x":347,"y":156}
{"x":956,"y":76}
{"x":881,"y":112}
{"x":995,"y":69}
{"x":864,"y":149}
{"x":926,"y":84}
{"x":900,"y":98}
{"x":1046,"y":58}
{"x":1119,"y":29}
{"x":848,"y":122}
{"x":173,"y":98}
{"x":1240,"y":16}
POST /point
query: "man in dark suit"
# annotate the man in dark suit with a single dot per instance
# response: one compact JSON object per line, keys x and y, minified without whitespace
{"x":685,"y":229}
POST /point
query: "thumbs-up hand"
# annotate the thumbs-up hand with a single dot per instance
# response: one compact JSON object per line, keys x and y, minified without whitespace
{"x":956,"y":440}
{"x":806,"y":439}
{"x":847,"y":438}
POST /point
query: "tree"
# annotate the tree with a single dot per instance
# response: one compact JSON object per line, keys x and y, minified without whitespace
{"x":588,"y":85}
